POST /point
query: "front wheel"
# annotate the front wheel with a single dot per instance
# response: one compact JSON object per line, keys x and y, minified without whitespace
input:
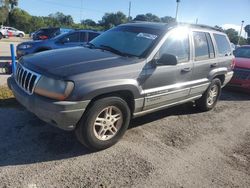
{"x":210,"y":97}
{"x":104,"y":123}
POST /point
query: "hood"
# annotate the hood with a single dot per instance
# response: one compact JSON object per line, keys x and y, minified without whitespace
{"x":72,"y":61}
{"x":242,"y":63}
{"x":35,"y":42}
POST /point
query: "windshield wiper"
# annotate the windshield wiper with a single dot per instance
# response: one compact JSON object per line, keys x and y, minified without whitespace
{"x":113,"y":50}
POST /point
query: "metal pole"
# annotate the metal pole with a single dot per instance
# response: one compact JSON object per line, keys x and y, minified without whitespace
{"x":177,"y":9}
{"x":242,"y":22}
{"x":81,"y":11}
{"x":196,"y":21}
{"x":13,"y":58}
{"x":129,"y":10}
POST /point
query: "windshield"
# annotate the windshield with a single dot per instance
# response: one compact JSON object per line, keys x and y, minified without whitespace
{"x":127,"y":40}
{"x":242,"y":52}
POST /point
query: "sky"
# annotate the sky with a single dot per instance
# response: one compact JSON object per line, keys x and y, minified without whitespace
{"x":225,"y":13}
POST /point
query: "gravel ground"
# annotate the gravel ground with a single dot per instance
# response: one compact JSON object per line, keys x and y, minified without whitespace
{"x":178,"y":147}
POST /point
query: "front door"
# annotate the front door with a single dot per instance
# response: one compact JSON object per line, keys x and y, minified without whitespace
{"x":166,"y":84}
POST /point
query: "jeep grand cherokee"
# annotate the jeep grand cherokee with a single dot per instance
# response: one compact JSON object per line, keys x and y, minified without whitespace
{"x":126,"y":72}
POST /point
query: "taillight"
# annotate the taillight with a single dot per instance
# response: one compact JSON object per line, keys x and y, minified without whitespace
{"x":233,"y":63}
{"x":43,"y":37}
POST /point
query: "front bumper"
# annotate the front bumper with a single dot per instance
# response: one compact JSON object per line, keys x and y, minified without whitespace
{"x":240,"y":84}
{"x":62,"y":114}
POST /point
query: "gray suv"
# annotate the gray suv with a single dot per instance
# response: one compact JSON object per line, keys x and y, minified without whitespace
{"x":126,"y":72}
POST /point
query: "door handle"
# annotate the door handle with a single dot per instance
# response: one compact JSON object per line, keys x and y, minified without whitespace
{"x":187,"y":69}
{"x":214,"y":65}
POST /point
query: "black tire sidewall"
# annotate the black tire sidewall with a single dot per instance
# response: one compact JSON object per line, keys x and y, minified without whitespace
{"x":86,"y":125}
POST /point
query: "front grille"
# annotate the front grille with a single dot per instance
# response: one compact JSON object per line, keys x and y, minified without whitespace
{"x":242,"y":74}
{"x":26,"y":79}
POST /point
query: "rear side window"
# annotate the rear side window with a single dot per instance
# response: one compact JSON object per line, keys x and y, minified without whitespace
{"x":201,"y":46}
{"x":83,"y":37}
{"x":176,"y":45}
{"x":74,"y":37}
{"x":223,"y":45}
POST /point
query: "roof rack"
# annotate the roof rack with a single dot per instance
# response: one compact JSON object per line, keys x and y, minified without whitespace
{"x":196,"y":25}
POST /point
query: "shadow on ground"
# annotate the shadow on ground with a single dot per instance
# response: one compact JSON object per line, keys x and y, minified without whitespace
{"x":24,"y":139}
{"x":234,"y":94}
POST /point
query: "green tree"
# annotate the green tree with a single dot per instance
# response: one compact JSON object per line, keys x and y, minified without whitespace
{"x":20,"y":19}
{"x":147,"y":17}
{"x":4,"y":12}
{"x":88,"y":22}
{"x":113,"y":19}
{"x":65,"y":20}
{"x":167,"y":19}
{"x":232,"y":35}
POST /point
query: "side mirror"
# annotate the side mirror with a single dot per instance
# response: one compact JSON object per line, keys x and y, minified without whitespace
{"x":167,"y":59}
{"x":65,"y":40}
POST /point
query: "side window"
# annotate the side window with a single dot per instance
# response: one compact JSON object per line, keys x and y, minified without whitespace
{"x":201,"y":46}
{"x":83,"y":37}
{"x":92,"y":36}
{"x":210,"y":46}
{"x":178,"y":45}
{"x":223,"y":45}
{"x":74,"y":37}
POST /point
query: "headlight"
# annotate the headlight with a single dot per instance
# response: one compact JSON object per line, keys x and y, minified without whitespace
{"x":24,"y":46}
{"x":55,"y":89}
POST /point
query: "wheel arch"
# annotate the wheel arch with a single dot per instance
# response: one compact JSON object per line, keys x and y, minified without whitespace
{"x":126,"y":95}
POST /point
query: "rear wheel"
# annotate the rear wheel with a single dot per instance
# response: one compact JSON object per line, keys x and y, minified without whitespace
{"x":210,"y":97}
{"x":1,"y":36}
{"x":104,"y":123}
{"x":20,"y":35}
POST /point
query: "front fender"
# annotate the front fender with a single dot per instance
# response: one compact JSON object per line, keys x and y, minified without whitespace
{"x":89,"y":91}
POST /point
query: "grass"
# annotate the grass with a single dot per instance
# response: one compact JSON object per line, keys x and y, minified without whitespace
{"x":7,"y":98}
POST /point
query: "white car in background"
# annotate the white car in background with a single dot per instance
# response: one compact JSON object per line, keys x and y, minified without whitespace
{"x":10,"y":31}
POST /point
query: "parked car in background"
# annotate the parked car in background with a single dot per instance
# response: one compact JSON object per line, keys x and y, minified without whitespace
{"x":128,"y":71}
{"x":10,"y":31}
{"x":48,"y":33}
{"x":241,"y":78}
{"x":65,"y":40}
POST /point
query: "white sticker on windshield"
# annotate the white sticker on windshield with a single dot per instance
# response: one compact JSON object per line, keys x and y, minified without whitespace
{"x":147,"y":36}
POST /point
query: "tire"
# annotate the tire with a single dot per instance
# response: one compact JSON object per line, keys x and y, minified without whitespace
{"x":98,"y":134}
{"x":210,"y":97}
{"x":1,"y":36}
{"x":20,"y":35}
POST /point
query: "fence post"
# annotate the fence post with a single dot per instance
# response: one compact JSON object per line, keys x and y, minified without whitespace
{"x":13,"y":58}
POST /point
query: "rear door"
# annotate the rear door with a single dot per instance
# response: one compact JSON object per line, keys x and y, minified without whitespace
{"x":204,"y":61}
{"x":223,"y":50}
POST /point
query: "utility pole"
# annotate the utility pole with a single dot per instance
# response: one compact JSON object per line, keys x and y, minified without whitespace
{"x":196,"y":21}
{"x":129,"y":10}
{"x":177,"y":9}
{"x":81,"y":11}
{"x":242,"y":22}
